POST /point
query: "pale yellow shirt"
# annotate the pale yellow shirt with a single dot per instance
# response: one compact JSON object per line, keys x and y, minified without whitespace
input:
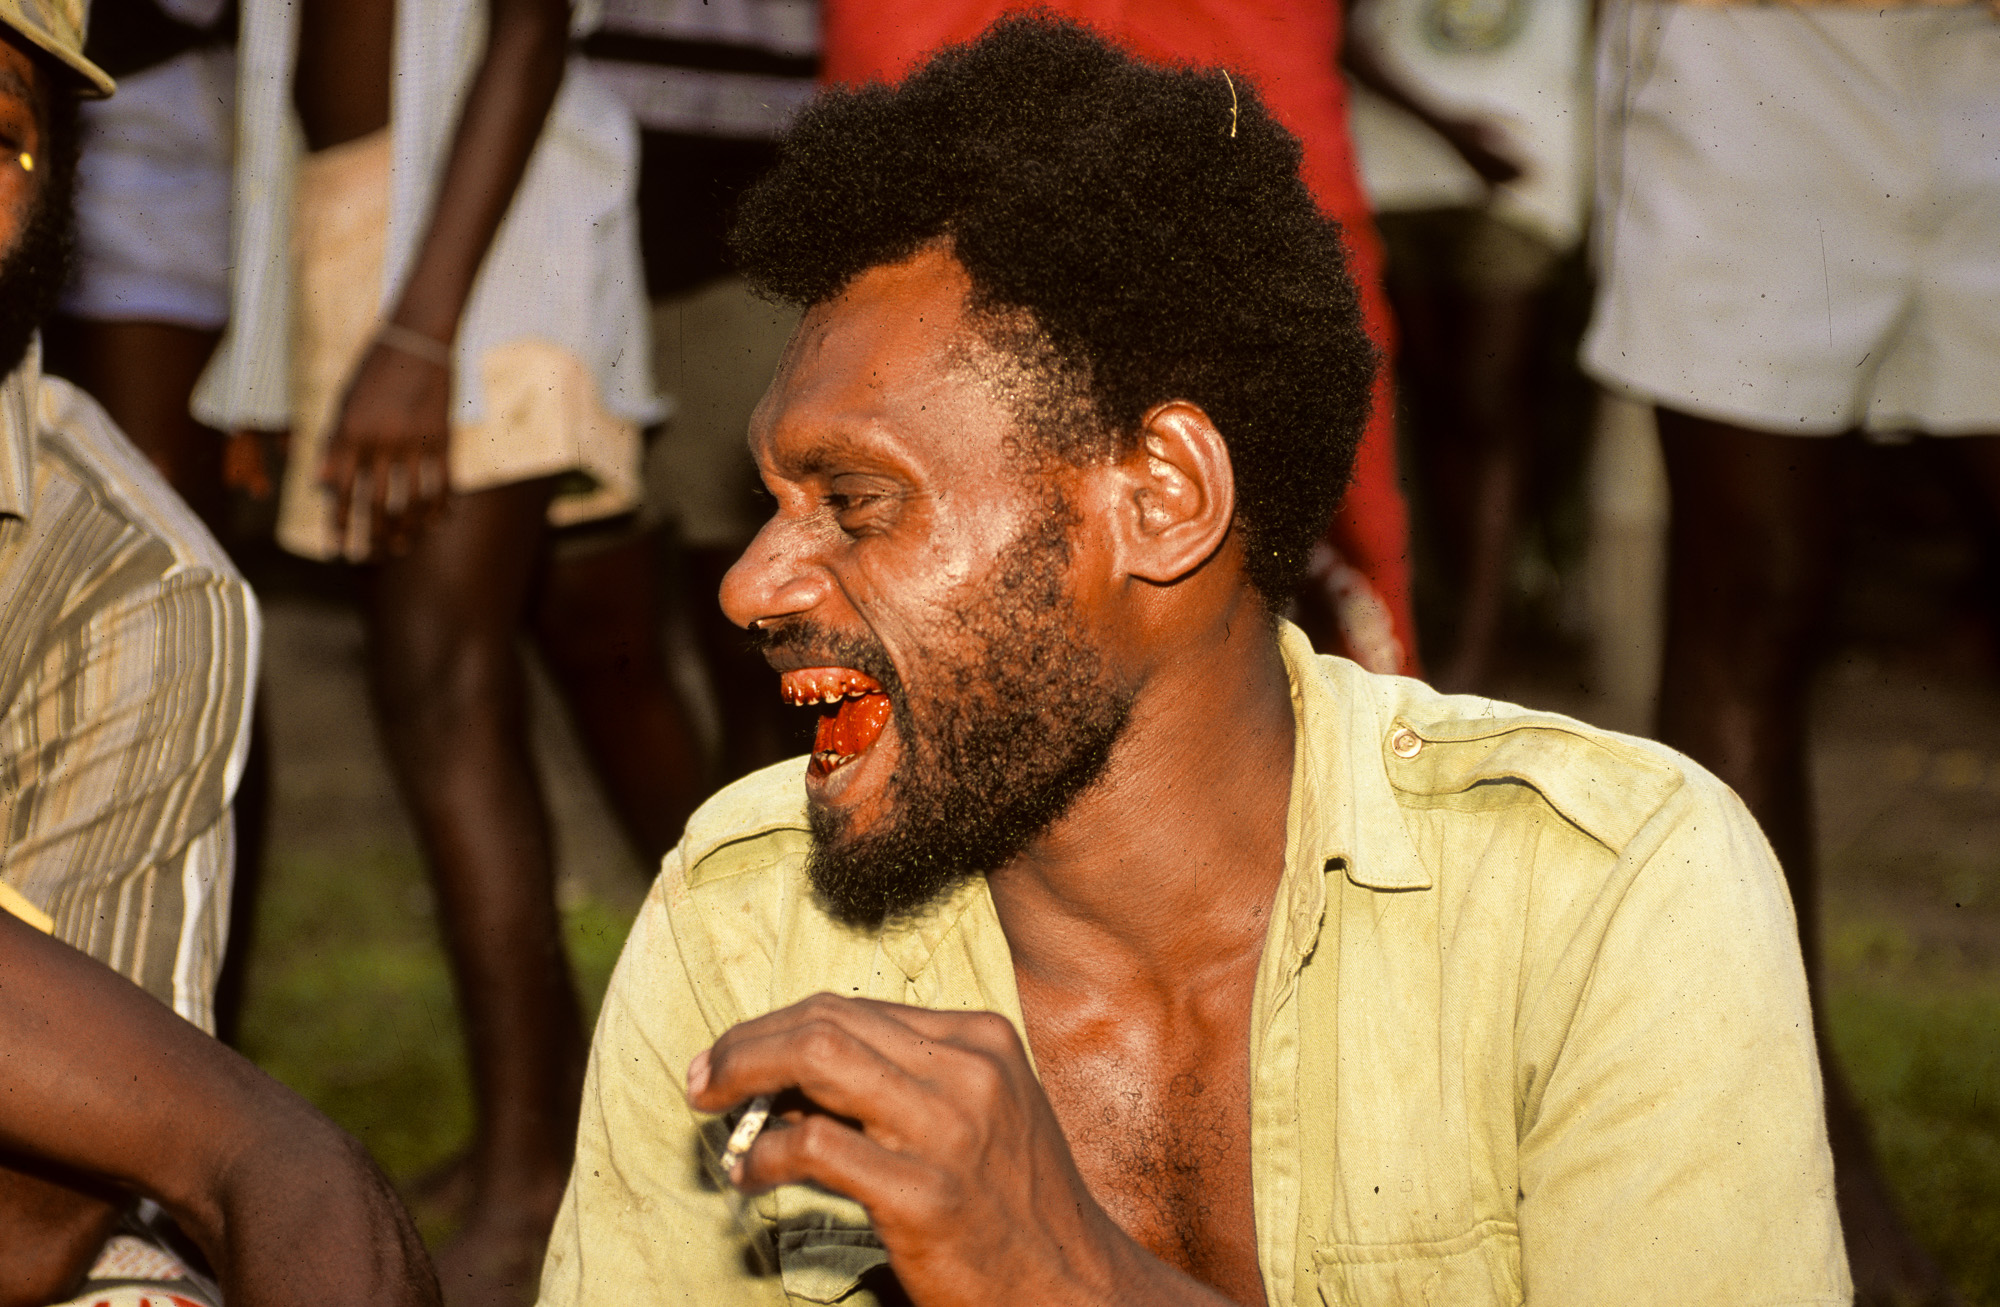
{"x":1530,"y":1025}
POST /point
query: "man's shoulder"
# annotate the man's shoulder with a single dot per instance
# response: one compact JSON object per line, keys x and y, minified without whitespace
{"x":77,"y":443}
{"x":1449,"y":750}
{"x":736,"y":902}
{"x":749,"y":828}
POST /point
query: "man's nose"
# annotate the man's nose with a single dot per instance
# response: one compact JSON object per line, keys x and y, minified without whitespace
{"x":777,"y":576}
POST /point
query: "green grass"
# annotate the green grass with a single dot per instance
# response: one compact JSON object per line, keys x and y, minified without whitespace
{"x":1921,"y":1044}
{"x":351,"y":1004}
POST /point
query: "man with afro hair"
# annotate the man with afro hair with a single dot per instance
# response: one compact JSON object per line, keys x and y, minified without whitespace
{"x":1111,"y":946}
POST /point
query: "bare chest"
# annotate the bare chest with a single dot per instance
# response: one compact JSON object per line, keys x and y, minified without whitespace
{"x":1160,"y":1130}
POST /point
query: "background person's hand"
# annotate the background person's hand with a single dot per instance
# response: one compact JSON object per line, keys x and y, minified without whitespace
{"x":935,"y":1123}
{"x":1484,"y":146}
{"x":391,"y":447}
{"x":245,"y":464}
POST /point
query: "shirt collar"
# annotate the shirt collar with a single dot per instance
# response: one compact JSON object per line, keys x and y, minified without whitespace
{"x":19,"y":418}
{"x":1344,"y":818}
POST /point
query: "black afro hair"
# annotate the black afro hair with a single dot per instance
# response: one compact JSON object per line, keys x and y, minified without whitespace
{"x":1149,"y":221}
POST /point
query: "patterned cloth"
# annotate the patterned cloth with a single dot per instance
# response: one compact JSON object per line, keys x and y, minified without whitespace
{"x":128,"y":651}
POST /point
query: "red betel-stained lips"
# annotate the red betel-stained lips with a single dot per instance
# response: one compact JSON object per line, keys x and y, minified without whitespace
{"x":847,"y":731}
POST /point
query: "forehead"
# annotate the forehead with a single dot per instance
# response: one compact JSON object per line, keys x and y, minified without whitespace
{"x":886,"y":367}
{"x":20,"y":75}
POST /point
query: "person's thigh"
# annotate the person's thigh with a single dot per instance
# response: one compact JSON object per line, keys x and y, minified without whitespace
{"x":1753,"y":542}
{"x":461,"y":589}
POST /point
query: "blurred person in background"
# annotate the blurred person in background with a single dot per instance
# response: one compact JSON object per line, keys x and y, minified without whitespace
{"x":1471,"y":125}
{"x":438,"y":296}
{"x":128,"y":646}
{"x":1357,"y":598}
{"x":1799,"y":211}
{"x":711,"y":84}
{"x":150,"y":292}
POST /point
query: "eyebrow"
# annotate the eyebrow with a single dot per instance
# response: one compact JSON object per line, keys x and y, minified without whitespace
{"x":838,"y":449}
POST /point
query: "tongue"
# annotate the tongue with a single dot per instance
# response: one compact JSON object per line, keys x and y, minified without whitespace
{"x":853,"y":726}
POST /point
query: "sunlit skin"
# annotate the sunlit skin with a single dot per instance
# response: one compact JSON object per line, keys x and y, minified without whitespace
{"x":1136,"y":922}
{"x":20,"y":133}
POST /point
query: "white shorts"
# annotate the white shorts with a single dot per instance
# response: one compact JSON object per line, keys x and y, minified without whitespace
{"x":1799,"y":215}
{"x":152,"y":195}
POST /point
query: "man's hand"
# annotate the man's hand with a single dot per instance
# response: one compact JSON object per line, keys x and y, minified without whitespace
{"x":392,"y":443}
{"x":934,"y":1122}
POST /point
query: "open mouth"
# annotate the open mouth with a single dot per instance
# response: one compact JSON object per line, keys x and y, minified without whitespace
{"x":860,"y":711}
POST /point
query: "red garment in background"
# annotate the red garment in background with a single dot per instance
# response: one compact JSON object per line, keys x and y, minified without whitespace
{"x":1290,"y":49}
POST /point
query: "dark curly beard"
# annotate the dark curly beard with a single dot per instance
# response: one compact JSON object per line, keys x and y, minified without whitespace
{"x":999,"y":737}
{"x":34,"y":271}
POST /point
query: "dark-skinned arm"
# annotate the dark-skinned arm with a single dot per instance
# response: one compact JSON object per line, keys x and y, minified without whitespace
{"x":100,"y":1082}
{"x":395,"y":423}
{"x":1478,"y":141}
{"x":935,"y":1123}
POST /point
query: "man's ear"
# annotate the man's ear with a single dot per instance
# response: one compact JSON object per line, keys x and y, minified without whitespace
{"x":1178,"y":494}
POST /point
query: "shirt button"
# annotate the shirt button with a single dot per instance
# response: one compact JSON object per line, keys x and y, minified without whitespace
{"x":1405,"y":743}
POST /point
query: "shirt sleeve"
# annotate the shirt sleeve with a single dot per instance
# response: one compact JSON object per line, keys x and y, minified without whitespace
{"x":1675,"y":1148}
{"x":642,"y":1220}
{"x":124,"y":746}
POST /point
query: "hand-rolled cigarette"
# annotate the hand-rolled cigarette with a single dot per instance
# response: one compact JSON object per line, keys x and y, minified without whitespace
{"x":748,"y":1127}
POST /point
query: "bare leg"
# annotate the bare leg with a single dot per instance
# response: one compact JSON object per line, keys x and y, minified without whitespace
{"x":596,"y":619}
{"x":1750,"y":579}
{"x":449,"y":691}
{"x":1468,"y":353}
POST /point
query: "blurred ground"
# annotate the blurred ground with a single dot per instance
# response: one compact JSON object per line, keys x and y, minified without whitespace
{"x":350,"y":1003}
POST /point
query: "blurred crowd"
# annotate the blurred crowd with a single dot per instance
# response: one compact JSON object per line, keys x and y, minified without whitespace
{"x":448,"y":284}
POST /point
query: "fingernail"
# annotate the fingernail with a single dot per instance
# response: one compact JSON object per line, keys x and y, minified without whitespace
{"x":698,"y":1073}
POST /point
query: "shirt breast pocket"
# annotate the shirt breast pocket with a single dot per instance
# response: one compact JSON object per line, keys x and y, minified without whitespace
{"x":832,"y":1264}
{"x":1480,"y":1268}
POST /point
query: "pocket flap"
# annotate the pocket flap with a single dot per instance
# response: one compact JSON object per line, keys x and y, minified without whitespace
{"x":1480,"y":1268}
{"x":826,"y":1264}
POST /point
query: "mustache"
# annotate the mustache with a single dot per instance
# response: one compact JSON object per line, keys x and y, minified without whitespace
{"x":822,"y":646}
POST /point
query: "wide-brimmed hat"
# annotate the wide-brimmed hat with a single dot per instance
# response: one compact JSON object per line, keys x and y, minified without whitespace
{"x":57,"y":26}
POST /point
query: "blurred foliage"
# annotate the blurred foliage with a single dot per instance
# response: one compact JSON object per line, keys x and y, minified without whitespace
{"x":1920,"y":1038}
{"x":351,"y":1001}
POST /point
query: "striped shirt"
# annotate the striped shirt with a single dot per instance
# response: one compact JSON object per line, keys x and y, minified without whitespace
{"x":563,"y":268}
{"x":128,"y":653}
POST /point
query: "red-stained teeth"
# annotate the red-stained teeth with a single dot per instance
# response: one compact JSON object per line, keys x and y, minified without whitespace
{"x":862,"y":711}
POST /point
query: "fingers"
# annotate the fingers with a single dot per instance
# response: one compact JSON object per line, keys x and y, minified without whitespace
{"x":882,"y":1064}
{"x":337,"y":473}
{"x":243,"y":464}
{"x":820,"y":1150}
{"x":388,"y":455}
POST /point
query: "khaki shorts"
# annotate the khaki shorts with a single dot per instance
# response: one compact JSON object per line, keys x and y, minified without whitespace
{"x":544,"y":415}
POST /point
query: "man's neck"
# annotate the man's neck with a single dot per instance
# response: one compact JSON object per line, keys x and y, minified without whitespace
{"x":1165,"y":870}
